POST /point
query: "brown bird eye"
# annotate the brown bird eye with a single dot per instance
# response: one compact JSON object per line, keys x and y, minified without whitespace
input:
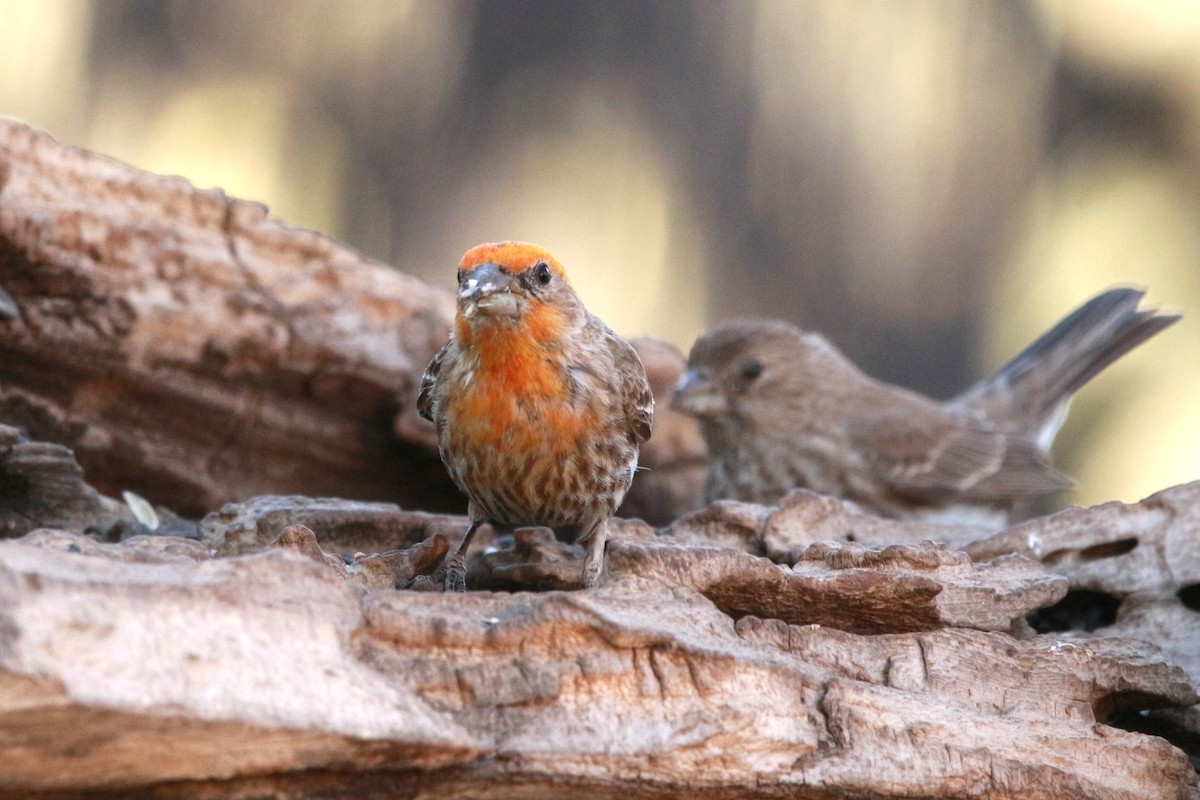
{"x":542,"y":272}
{"x":751,"y":368}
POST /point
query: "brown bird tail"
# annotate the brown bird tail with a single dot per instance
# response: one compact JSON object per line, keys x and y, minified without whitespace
{"x":1033,"y":388}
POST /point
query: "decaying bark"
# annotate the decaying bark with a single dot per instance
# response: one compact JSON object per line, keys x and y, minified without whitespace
{"x":190,"y":349}
{"x":1134,"y":571}
{"x":177,"y":343}
{"x":41,"y":484}
{"x":647,"y":682}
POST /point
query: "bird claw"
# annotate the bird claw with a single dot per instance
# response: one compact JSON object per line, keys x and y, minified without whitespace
{"x":592,"y":570}
{"x":423,"y":583}
{"x":591,"y":575}
{"x":456,"y":573}
{"x":433,"y":582}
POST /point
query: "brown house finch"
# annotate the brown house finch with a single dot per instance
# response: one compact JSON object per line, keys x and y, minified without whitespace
{"x":780,"y":408}
{"x":539,"y":407}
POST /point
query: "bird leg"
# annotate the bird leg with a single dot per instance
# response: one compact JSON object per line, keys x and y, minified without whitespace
{"x":592,"y":540}
{"x":456,"y":563}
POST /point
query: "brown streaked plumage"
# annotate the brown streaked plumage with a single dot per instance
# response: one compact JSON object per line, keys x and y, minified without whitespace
{"x":781,"y":408}
{"x":539,"y":406}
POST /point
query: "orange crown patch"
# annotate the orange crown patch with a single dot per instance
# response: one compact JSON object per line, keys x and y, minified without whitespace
{"x":512,"y":257}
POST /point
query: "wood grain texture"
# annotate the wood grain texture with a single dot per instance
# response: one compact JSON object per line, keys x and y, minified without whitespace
{"x":189,"y":348}
{"x":298,"y":668}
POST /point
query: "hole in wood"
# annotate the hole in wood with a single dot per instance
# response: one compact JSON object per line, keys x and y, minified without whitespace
{"x":1108,"y":549}
{"x":1093,"y":553}
{"x":14,"y":489}
{"x":1054,"y":556}
{"x":1189,"y":595}
{"x":1158,"y":723}
{"x":1080,"y":610}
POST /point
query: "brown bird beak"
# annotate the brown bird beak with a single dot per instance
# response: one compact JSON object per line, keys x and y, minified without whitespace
{"x":488,"y":292}
{"x":697,"y":395}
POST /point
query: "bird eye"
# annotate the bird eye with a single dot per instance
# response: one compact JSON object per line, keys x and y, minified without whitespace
{"x":751,"y":368}
{"x":541,"y":271}
{"x":462,"y":273}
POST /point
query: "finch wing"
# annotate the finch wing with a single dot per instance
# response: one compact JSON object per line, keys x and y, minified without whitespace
{"x":637,"y":400}
{"x":935,"y":457}
{"x":428,"y":381}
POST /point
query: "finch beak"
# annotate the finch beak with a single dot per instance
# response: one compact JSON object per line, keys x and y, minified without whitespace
{"x":488,"y":292}
{"x":697,"y":395}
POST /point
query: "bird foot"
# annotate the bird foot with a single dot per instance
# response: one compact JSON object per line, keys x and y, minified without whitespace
{"x":456,"y":573}
{"x":433,"y":582}
{"x":423,"y":583}
{"x":592,"y":570}
{"x":591,"y":579}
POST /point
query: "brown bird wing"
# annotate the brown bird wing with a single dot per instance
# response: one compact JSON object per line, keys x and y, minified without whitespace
{"x":938,"y":457}
{"x":637,"y":399}
{"x":428,"y":381}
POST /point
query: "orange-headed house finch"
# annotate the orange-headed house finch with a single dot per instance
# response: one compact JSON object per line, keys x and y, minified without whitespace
{"x":781,"y":408}
{"x":539,"y":406}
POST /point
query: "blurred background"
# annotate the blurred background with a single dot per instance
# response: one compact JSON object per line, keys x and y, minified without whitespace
{"x":930,"y":184}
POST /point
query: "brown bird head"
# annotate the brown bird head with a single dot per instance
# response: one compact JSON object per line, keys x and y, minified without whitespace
{"x":745,"y":370}
{"x":504,"y":287}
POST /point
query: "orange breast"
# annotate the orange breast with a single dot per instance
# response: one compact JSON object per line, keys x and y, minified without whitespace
{"x":523,"y":408}
{"x":517,"y":440}
{"x":518,"y":392}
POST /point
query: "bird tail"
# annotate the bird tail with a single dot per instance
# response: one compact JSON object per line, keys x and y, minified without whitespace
{"x":1032,"y":390}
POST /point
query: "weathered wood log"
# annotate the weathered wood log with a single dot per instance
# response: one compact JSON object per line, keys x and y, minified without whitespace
{"x":1134,"y":570}
{"x":344,"y":526}
{"x":186,"y":347}
{"x":864,"y":672}
{"x":276,"y":664}
{"x":42,"y":485}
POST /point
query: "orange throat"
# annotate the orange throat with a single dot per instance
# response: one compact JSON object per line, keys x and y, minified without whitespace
{"x":519,"y":353}
{"x":520,"y":393}
{"x":508,"y":358}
